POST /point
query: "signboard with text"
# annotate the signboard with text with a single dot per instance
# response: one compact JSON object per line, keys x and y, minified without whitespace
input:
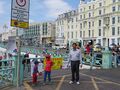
{"x":20,"y":13}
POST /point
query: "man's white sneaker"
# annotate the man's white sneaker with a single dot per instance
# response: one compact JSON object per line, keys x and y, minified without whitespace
{"x":71,"y":82}
{"x":78,"y":83}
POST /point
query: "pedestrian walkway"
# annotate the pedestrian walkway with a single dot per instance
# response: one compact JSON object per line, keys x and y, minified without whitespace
{"x":89,"y":80}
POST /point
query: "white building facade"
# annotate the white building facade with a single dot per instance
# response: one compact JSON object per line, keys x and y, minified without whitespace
{"x":5,"y":35}
{"x":97,"y":20}
{"x":67,"y":28}
{"x":40,"y":33}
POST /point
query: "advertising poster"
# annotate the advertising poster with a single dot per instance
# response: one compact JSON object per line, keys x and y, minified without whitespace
{"x":57,"y":63}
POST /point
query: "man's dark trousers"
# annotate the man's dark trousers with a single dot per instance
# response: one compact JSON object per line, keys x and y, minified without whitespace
{"x":75,"y":70}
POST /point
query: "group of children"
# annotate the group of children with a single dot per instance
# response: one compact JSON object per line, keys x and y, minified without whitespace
{"x":47,"y":70}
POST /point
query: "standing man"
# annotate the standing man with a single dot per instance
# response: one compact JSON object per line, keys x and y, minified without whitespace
{"x":75,"y":57}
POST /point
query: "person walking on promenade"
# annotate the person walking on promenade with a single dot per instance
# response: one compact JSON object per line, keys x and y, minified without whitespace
{"x":75,"y":57}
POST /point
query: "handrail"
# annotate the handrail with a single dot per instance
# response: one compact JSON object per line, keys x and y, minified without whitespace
{"x":6,"y":60}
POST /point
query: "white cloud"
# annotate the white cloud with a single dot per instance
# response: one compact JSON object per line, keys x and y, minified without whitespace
{"x":56,"y":7}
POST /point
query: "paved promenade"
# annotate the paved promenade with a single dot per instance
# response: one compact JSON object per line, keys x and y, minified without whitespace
{"x":89,"y":80}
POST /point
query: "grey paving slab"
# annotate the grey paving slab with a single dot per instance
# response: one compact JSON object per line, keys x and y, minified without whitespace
{"x":104,"y":79}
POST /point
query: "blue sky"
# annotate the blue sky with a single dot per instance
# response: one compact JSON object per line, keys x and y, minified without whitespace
{"x":40,"y":10}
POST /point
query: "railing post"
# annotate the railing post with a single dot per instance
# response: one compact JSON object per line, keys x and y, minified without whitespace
{"x":92,"y":61}
{"x":106,"y":59}
{"x":115,"y":61}
{"x":14,"y":70}
{"x":20,"y":80}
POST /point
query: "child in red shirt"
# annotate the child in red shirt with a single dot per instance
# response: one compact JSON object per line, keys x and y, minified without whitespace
{"x":35,"y":72}
{"x":47,"y":69}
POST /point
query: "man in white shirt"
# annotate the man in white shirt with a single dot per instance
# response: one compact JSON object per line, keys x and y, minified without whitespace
{"x":75,"y":57}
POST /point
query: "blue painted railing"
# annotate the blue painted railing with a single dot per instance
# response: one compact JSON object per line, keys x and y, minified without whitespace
{"x":7,"y":72}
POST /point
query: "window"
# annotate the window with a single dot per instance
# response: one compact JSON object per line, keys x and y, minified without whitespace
{"x":89,"y":24}
{"x":80,"y":25}
{"x":100,"y":12}
{"x":84,"y":24}
{"x":89,"y":15}
{"x":62,"y":22}
{"x":93,"y":6}
{"x":71,"y":34}
{"x":99,"y":22}
{"x":83,"y":33}
{"x":80,"y":16}
{"x":68,"y":27}
{"x":89,"y":7}
{"x":93,"y":23}
{"x":89,"y":33}
{"x":100,"y":4}
{"x":113,"y":30}
{"x":114,"y":1}
{"x":68,"y":34}
{"x":93,"y":14}
{"x":104,"y":2}
{"x":118,"y":30}
{"x":104,"y":11}
{"x":113,"y":9}
{"x":84,"y":16}
{"x":113,"y":40}
{"x":80,"y":33}
{"x":84,"y":9}
{"x":72,"y":26}
{"x":118,"y":7}
{"x":76,"y":34}
{"x":104,"y":32}
{"x":99,"y":32}
{"x":118,"y":19}
{"x":113,"y":20}
{"x":76,"y":26}
{"x":81,"y":10}
{"x":76,"y":19}
{"x":72,"y":20}
{"x":68,"y":21}
{"x":92,"y":33}
{"x":99,"y":41}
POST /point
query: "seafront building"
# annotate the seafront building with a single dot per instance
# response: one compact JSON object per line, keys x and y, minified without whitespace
{"x":97,"y":20}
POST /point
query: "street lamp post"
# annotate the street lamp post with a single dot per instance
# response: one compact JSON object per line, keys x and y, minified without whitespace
{"x":107,"y":55}
{"x":18,"y":57}
{"x":5,"y":27}
{"x":19,"y":60}
{"x":107,"y":20}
